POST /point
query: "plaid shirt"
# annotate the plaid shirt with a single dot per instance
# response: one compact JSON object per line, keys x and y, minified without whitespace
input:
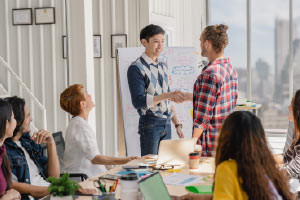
{"x":215,"y":94}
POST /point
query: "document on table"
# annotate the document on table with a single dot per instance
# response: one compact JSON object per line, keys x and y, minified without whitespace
{"x":183,"y":179}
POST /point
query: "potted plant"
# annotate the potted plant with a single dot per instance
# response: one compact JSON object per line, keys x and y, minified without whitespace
{"x":62,"y":188}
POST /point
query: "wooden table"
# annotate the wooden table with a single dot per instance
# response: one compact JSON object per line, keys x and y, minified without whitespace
{"x":249,"y":108}
{"x":206,"y":168}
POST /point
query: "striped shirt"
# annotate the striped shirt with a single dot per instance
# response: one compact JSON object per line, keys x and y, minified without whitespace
{"x":291,"y":160}
{"x":215,"y":94}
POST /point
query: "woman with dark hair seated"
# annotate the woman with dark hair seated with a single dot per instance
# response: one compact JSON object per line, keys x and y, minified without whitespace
{"x":7,"y":127}
{"x":245,"y":167}
{"x":81,"y":153}
{"x":291,"y":158}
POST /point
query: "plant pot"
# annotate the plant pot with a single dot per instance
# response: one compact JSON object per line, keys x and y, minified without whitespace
{"x":61,"y":198}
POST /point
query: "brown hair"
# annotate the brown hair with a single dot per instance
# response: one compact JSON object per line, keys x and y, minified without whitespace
{"x":70,"y":99}
{"x":296,"y":115}
{"x":217,"y":35}
{"x":5,"y":115}
{"x":242,"y":138}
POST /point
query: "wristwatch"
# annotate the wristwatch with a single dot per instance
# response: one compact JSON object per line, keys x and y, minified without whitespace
{"x":178,"y":125}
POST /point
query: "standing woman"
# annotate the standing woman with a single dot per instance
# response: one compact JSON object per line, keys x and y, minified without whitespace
{"x":7,"y":126}
{"x":245,"y":167}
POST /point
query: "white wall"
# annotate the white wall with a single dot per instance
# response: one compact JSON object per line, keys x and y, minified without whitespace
{"x":35,"y":54}
{"x":183,"y":20}
{"x":46,"y":73}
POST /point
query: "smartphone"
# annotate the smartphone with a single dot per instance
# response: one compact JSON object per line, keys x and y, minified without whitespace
{"x":109,"y":177}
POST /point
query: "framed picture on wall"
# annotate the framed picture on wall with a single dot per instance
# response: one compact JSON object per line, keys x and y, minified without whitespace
{"x":97,"y":46}
{"x":118,"y":41}
{"x":44,"y":15}
{"x":64,"y":46}
{"x":22,"y":16}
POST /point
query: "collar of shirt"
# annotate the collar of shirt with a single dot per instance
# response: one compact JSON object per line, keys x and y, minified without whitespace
{"x":148,"y":60}
{"x":216,"y":62}
{"x":219,"y":61}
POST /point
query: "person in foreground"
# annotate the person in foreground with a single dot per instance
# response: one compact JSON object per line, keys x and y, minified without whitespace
{"x":29,"y":165}
{"x":7,"y":127}
{"x":291,"y":158}
{"x":245,"y":167}
{"x":81,"y":153}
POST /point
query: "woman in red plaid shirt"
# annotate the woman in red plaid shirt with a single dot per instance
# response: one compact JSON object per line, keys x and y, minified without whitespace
{"x":215,"y":90}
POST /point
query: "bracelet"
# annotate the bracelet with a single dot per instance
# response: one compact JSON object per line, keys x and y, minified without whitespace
{"x":178,"y":125}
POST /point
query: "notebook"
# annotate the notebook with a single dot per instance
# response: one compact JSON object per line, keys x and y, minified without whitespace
{"x":175,"y":152}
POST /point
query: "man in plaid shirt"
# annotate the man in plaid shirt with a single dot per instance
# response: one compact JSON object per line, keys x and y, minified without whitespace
{"x":215,"y":90}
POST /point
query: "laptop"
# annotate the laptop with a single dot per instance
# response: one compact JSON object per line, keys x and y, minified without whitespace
{"x":153,"y":188}
{"x":175,"y":152}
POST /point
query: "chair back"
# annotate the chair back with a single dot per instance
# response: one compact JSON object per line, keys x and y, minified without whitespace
{"x":289,"y":136}
{"x":60,"y":146}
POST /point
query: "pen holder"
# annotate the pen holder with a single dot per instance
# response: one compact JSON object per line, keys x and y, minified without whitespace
{"x":100,"y":184}
{"x":105,"y":196}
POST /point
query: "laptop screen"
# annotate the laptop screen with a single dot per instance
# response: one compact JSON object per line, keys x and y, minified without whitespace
{"x":153,"y":188}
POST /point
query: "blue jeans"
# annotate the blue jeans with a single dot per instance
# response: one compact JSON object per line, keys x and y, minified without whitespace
{"x":152,"y":130}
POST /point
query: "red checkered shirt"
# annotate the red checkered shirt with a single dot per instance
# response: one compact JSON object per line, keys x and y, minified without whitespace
{"x":215,"y":95}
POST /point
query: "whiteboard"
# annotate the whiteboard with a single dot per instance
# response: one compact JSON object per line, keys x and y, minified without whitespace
{"x":183,"y":72}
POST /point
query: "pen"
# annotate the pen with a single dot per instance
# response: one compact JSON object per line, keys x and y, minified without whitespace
{"x":117,"y":181}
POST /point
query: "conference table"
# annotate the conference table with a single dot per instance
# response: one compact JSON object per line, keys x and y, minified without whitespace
{"x":206,"y":168}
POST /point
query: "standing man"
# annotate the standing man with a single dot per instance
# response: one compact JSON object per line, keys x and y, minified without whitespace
{"x":150,"y":92}
{"x":215,"y":90}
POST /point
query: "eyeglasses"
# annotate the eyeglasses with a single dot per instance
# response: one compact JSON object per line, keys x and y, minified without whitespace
{"x":163,"y":167}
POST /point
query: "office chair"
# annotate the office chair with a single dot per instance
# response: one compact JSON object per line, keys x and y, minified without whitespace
{"x":60,"y":148}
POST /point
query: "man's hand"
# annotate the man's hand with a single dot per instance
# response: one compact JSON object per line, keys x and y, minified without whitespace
{"x":11,"y":195}
{"x":177,"y":96}
{"x":43,"y":136}
{"x":179,"y":132}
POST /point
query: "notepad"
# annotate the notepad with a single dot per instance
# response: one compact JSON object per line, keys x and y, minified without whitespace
{"x":200,"y":189}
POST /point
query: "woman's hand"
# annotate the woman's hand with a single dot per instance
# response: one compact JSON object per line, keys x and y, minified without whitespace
{"x":131,"y":158}
{"x":11,"y":195}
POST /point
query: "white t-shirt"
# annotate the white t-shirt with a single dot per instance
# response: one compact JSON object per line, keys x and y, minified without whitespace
{"x":34,"y":172}
{"x":81,"y":147}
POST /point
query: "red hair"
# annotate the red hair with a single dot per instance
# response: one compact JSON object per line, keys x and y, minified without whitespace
{"x":70,"y":99}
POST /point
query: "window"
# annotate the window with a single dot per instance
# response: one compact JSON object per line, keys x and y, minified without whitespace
{"x":269,"y":38}
{"x":296,"y":44}
{"x":269,"y":60}
{"x":232,"y":13}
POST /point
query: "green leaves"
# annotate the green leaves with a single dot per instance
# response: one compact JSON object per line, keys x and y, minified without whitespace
{"x":62,"y":186}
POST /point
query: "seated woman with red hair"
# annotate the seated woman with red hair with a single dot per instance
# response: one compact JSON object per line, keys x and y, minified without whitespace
{"x":81,"y":153}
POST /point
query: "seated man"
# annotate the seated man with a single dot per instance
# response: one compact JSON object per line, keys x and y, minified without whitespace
{"x":29,"y":166}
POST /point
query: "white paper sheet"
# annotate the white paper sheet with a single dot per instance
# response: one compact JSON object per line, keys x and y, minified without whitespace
{"x":183,"y":179}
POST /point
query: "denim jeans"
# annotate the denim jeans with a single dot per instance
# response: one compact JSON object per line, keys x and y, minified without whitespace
{"x":152,"y":130}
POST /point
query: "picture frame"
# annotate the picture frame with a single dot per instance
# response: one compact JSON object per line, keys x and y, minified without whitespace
{"x":64,"y":47}
{"x":21,"y":16}
{"x":44,"y":15}
{"x":117,"y":41}
{"x":97,"y":46}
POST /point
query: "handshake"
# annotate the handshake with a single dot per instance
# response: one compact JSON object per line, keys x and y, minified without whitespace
{"x":178,"y":96}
